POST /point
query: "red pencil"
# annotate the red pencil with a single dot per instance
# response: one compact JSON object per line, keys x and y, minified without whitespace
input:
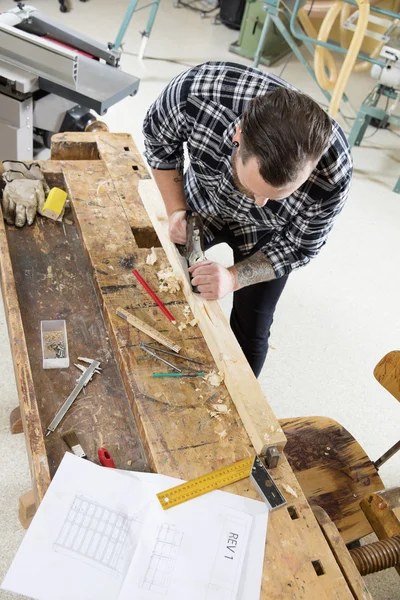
{"x":153,"y":295}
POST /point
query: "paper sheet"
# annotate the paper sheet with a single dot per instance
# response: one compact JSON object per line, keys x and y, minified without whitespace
{"x":250,"y":581}
{"x":99,"y":534}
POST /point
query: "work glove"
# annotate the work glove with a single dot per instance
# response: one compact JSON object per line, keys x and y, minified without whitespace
{"x":22,"y":199}
{"x":24,"y":193}
{"x":16,"y":169}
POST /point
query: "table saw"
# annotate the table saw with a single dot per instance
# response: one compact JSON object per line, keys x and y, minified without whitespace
{"x":51,"y":78}
{"x":80,"y":270}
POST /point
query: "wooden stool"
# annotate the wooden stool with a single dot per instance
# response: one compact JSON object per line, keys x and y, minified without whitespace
{"x":333,"y":470}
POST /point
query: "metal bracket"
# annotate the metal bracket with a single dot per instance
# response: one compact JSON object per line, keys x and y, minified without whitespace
{"x":272,"y":457}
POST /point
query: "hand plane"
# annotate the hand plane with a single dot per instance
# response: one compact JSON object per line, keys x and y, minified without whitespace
{"x":193,"y":251}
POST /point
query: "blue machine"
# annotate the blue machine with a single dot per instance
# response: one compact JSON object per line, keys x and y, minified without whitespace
{"x":132,"y":8}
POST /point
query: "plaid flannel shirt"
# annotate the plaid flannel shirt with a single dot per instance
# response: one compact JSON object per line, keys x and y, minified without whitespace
{"x":202,"y":108}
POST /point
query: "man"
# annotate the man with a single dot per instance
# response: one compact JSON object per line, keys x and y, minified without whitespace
{"x":269,"y":172}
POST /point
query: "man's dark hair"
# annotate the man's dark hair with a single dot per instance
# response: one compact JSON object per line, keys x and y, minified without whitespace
{"x":284,"y":130}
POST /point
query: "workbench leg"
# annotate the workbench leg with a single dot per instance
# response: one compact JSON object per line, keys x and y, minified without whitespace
{"x":16,"y":421}
{"x":27,"y":509}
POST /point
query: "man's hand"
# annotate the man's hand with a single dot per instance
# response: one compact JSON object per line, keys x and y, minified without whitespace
{"x":213,"y":280}
{"x":177,"y":226}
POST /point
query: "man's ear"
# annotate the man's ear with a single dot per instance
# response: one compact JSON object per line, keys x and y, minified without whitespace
{"x":237,"y":136}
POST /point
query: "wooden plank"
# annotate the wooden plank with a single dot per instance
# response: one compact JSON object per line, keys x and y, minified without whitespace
{"x":343,"y":556}
{"x":53,"y":281}
{"x":333,"y":470}
{"x":180,"y":435}
{"x":255,"y":413}
{"x":37,"y":456}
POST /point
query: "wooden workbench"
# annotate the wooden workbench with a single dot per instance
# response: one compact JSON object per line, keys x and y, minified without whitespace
{"x":80,"y":271}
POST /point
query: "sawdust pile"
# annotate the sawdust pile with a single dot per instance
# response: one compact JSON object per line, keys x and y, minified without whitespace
{"x":167,"y":281}
{"x":151,"y":258}
{"x":218,"y":411}
{"x":214,"y":378}
{"x":187,"y":313}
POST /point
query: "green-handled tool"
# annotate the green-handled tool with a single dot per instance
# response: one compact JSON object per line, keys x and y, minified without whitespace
{"x":194,"y":374}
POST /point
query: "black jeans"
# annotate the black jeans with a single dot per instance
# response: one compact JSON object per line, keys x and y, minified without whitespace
{"x":253,"y":308}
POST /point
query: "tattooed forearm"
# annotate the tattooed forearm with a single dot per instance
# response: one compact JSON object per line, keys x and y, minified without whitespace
{"x":254,"y":269}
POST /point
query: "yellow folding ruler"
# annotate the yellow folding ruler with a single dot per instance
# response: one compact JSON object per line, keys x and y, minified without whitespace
{"x":249,"y":467}
{"x":147,"y":329}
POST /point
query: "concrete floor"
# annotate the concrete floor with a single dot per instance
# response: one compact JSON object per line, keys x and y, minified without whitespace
{"x":337,"y":317}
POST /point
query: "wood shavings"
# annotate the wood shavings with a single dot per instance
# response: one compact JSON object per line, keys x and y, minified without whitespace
{"x":289,"y":489}
{"x":214,"y":378}
{"x":222,"y":434}
{"x":214,"y":414}
{"x":182,"y":326}
{"x":222,"y":408}
{"x":187,"y":313}
{"x":168,"y":281}
{"x":151,"y":258}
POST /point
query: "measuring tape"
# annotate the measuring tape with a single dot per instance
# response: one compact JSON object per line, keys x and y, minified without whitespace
{"x":249,"y":467}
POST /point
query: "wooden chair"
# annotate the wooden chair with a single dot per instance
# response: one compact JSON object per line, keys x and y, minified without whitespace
{"x":333,"y":470}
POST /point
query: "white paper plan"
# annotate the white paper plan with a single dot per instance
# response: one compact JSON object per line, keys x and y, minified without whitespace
{"x":102,"y":535}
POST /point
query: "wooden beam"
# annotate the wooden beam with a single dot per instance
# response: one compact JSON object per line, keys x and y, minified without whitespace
{"x":26,"y":392}
{"x":257,"y":416}
{"x":342,"y":555}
